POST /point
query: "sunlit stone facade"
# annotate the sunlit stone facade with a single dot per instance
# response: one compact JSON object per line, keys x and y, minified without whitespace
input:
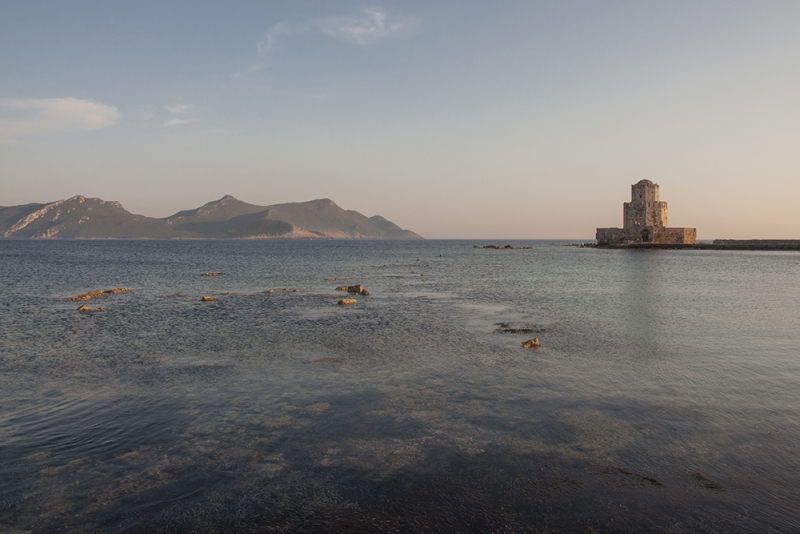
{"x":644,"y":220}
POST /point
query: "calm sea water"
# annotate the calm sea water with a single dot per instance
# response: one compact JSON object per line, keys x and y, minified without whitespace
{"x":665,"y":396}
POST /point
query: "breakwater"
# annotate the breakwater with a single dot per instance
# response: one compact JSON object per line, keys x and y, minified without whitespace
{"x":719,"y":244}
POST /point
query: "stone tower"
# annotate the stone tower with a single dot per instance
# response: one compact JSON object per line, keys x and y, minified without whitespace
{"x":644,"y":220}
{"x":644,"y":209}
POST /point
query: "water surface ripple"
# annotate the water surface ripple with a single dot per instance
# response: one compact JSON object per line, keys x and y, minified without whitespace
{"x":664,"y":398}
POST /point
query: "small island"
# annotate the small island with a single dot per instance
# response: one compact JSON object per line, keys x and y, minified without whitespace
{"x":645,"y":221}
{"x":645,"y":226}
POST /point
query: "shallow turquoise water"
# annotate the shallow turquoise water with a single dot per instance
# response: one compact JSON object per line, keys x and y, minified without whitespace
{"x":664,"y":396}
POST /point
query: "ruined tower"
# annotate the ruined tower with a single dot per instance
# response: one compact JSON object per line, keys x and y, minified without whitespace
{"x":644,"y":220}
{"x":644,"y":209}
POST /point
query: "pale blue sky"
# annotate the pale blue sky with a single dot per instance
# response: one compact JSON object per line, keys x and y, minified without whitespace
{"x":453,"y":119}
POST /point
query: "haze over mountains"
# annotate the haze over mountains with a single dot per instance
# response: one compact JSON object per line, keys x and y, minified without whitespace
{"x":80,"y":217}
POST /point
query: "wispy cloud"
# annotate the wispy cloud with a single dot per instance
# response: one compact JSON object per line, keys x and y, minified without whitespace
{"x":180,"y":108}
{"x":42,"y":116}
{"x":370,"y":25}
{"x":374,"y":24}
{"x":176,"y":122}
{"x":250,"y":70}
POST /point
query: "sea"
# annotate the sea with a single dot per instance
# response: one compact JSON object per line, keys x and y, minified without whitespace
{"x":664,"y":395}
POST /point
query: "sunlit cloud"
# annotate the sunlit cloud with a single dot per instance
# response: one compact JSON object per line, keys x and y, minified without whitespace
{"x":179,"y":108}
{"x":367,"y":27}
{"x":176,"y":122}
{"x":43,"y":116}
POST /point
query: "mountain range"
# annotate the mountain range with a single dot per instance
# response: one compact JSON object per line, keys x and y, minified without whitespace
{"x":81,"y":217}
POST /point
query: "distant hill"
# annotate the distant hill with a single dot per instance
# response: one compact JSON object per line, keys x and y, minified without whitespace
{"x":81,"y":217}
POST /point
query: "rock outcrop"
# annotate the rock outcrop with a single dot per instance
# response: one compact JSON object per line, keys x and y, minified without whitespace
{"x":531,"y":343}
{"x":355,"y":290}
{"x":99,"y":293}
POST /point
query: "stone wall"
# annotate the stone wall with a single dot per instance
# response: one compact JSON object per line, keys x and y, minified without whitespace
{"x":777,"y":243}
{"x":613,"y":236}
{"x":639,"y":213}
{"x":646,"y":234}
{"x":675,"y":236}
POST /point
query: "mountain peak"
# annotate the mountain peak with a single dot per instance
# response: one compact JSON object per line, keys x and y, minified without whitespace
{"x":228,"y":217}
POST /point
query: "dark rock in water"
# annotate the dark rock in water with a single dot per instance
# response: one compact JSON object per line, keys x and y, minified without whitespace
{"x":498,"y":247}
{"x":506,"y":328}
{"x":207,"y":299}
{"x":116,"y":290}
{"x":213,"y":274}
{"x":356,"y":290}
{"x":346,"y":302}
{"x":531,"y":343}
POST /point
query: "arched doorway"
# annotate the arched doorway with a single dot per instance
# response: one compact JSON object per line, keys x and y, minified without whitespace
{"x":646,"y":235}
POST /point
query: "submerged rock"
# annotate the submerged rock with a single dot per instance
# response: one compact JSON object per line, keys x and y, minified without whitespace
{"x":86,"y":308}
{"x":356,"y":290}
{"x":99,"y":293}
{"x":88,"y":296}
{"x":506,"y":328}
{"x":531,"y":343}
{"x":208,"y":299}
{"x":498,"y":247}
{"x":118,"y":290}
{"x":213,"y":274}
{"x":346,"y":302}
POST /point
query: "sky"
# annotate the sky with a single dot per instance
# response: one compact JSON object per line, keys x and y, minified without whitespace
{"x":467,"y":119}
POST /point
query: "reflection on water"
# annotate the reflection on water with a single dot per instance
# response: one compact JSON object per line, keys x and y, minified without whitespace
{"x":664,"y":396}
